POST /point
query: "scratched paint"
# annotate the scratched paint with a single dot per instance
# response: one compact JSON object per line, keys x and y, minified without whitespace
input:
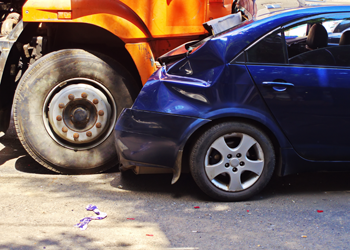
{"x":146,"y":54}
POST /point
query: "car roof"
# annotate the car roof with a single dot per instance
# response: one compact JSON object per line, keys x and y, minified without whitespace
{"x":249,"y":31}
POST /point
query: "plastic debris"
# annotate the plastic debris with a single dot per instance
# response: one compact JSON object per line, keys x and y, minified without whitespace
{"x":130,"y":218}
{"x":85,"y":221}
{"x":319,"y":211}
{"x":247,"y":211}
{"x":196,"y":207}
{"x":149,"y":234}
{"x":120,"y":186}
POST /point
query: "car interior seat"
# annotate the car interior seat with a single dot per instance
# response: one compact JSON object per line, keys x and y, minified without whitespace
{"x":318,"y":53}
{"x":317,"y":37}
{"x":345,"y":38}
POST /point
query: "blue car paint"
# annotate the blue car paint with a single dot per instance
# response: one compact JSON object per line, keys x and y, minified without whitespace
{"x":318,"y":105}
{"x":215,"y":89}
{"x":152,"y":139}
{"x":220,"y":99}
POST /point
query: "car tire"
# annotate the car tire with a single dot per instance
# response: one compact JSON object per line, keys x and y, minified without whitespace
{"x":232,"y":161}
{"x":61,"y":142}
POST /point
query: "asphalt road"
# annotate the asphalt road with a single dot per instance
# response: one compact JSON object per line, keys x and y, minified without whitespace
{"x":40,"y":208}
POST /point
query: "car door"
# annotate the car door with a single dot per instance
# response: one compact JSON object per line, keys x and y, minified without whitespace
{"x":310,"y":101}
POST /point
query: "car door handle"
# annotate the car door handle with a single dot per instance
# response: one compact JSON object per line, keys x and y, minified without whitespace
{"x":278,"y":84}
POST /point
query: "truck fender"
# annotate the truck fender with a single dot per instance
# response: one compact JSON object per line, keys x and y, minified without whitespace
{"x":114,"y":16}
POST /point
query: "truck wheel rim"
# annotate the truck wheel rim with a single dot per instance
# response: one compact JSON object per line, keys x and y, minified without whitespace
{"x":234,"y":162}
{"x":79,"y":113}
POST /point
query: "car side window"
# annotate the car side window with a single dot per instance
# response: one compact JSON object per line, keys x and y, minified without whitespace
{"x":268,"y":50}
{"x":341,"y":55}
{"x":315,"y":57}
{"x":331,"y":56}
{"x":322,"y":44}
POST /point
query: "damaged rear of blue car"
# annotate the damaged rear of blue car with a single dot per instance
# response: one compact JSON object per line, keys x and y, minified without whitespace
{"x":217,"y":106}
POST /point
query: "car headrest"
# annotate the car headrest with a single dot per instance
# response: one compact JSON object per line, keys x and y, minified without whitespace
{"x":318,"y":37}
{"x":345,"y":38}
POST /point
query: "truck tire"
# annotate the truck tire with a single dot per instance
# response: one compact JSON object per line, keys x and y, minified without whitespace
{"x":65,"y":109}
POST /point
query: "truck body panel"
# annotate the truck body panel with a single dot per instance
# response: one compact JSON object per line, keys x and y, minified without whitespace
{"x":131,"y":19}
{"x":149,"y":28}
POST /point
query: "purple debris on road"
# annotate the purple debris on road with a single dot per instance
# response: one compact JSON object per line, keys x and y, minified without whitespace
{"x":85,"y":221}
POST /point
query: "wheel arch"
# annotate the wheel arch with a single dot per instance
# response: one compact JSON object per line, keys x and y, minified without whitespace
{"x":236,"y":118}
{"x":115,"y":16}
{"x":61,"y":36}
{"x":124,"y":23}
{"x":91,"y":37}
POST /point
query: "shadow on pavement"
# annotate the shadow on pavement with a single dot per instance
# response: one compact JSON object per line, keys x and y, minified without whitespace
{"x":13,"y":149}
{"x":10,"y":149}
{"x":28,"y":165}
{"x":305,"y":183}
{"x":63,"y":241}
{"x":159,"y":183}
{"x":309,"y":183}
{"x":298,"y":184}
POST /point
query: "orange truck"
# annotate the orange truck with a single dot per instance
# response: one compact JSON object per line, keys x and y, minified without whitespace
{"x":68,"y":68}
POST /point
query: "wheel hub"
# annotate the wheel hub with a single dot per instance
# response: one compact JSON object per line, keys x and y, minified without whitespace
{"x":234,"y":162}
{"x":80,"y":117}
{"x":79,"y":113}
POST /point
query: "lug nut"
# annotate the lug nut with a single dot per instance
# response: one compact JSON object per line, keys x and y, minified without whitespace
{"x":238,"y":155}
{"x":59,"y":118}
{"x":234,"y":169}
{"x":98,"y":125}
{"x":84,"y":95}
{"x":76,"y":136}
{"x":61,"y":105}
{"x":101,"y":113}
{"x":241,"y":163}
{"x":71,"y":97}
{"x":227,"y":165}
{"x":89,"y":134}
{"x":95,"y":101}
{"x":229,"y":156}
{"x":64,"y":130}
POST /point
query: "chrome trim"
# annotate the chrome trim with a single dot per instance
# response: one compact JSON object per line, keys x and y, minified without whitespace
{"x":232,"y":61}
{"x":272,"y":6}
{"x":279,"y":28}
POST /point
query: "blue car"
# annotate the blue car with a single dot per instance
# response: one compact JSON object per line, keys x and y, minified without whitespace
{"x":267,"y":96}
